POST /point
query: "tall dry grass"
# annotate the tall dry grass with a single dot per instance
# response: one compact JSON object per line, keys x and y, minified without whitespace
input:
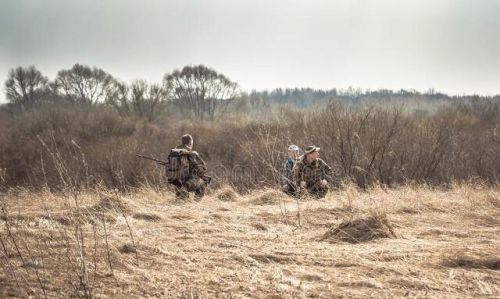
{"x":383,"y":242}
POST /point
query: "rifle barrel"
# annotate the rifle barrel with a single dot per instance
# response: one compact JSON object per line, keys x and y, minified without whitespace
{"x":152,"y":159}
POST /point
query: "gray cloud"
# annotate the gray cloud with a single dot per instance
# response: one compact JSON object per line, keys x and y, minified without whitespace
{"x":450,"y":45}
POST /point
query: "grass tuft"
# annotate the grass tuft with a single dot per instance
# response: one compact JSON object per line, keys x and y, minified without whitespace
{"x":363,"y":229}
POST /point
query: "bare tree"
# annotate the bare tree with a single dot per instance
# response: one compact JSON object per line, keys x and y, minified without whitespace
{"x":119,"y":98}
{"x":139,"y":99}
{"x":200,"y":89}
{"x":25,"y":85}
{"x":83,"y":84}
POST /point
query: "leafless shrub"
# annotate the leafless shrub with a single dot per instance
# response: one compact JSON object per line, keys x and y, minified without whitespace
{"x":366,"y":146}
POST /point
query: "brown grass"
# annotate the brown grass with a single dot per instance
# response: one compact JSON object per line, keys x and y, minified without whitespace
{"x":268,"y":197}
{"x":464,"y":259}
{"x":361,"y":229}
{"x":147,"y":216}
{"x":111,"y":203}
{"x":446,"y":245}
{"x":227,"y":193}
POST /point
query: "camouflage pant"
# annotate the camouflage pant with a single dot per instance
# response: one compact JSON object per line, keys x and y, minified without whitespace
{"x":315,"y":190}
{"x":318,"y":192}
{"x":193,"y":184}
{"x":291,"y":190}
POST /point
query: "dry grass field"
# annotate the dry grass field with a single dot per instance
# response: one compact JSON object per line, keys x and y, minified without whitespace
{"x":405,"y":242}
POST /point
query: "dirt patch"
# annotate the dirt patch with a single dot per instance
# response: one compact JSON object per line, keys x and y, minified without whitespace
{"x":361,"y":229}
{"x":147,"y":217}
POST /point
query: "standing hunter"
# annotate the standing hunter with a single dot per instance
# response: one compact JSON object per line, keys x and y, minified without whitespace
{"x":186,"y":170}
{"x":287,"y":181}
{"x":311,"y":174}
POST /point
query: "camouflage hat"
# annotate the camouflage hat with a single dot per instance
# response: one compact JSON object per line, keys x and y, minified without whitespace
{"x":293,"y":147}
{"x":311,"y":149}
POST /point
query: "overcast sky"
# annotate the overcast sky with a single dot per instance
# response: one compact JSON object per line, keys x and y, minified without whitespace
{"x":450,"y":45}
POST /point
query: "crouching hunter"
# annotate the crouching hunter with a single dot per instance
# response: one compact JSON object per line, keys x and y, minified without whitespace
{"x":311,"y":174}
{"x":186,"y":170}
{"x":287,"y":182}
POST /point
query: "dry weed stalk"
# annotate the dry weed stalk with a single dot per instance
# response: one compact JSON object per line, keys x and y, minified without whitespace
{"x":108,"y":257}
{"x":283,"y":211}
{"x":12,"y":269}
{"x":136,"y":253}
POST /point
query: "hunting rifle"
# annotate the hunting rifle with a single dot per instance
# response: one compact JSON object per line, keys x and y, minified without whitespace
{"x":153,"y":159}
{"x":206,"y":178}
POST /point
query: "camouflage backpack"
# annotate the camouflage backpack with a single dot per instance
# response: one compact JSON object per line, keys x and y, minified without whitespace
{"x":177,"y":167}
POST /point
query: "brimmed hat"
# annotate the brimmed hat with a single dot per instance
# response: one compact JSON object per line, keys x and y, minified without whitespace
{"x":293,"y":147}
{"x":311,"y":149}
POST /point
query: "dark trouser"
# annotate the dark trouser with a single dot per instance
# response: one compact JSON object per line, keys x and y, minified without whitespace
{"x":292,"y":191}
{"x":316,"y":190}
{"x":192,"y":184}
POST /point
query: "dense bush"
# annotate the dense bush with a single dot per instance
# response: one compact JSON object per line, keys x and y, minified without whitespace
{"x":89,"y":145}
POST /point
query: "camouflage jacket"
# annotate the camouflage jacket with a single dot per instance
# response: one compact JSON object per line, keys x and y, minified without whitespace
{"x":197,"y":166}
{"x":312,"y":173}
{"x":287,"y":172}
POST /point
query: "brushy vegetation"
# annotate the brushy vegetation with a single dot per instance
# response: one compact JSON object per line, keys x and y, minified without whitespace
{"x":94,"y":145}
{"x":87,"y":125}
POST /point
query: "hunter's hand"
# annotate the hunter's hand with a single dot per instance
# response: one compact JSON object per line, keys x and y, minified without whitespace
{"x":302,"y":184}
{"x":324,"y":183}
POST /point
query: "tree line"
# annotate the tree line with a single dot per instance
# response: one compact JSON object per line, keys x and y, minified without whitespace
{"x":196,"y":90}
